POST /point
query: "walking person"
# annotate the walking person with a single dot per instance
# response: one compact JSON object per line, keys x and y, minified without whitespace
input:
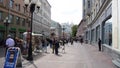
{"x":53,"y":45}
{"x":56,"y":46}
{"x":9,"y":42}
{"x":71,"y":40}
{"x":99,"y":44}
{"x":45,"y":45}
{"x":81,"y":40}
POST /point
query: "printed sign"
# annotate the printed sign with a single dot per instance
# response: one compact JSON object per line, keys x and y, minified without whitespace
{"x":12,"y":57}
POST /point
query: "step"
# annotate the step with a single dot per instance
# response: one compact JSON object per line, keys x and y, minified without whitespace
{"x":116,"y":62}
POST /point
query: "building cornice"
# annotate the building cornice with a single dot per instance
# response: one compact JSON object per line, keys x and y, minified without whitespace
{"x":104,"y":5}
{"x":12,"y":11}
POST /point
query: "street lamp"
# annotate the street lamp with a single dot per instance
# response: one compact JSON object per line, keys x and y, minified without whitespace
{"x":6,"y":23}
{"x":32,"y":5}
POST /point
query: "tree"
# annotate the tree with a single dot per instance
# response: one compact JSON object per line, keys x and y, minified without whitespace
{"x":74,"y":30}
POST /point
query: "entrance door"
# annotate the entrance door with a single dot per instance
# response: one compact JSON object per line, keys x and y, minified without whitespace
{"x":2,"y":38}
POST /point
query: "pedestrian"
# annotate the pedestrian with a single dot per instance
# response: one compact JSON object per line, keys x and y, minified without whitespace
{"x":71,"y":40}
{"x":53,"y":45}
{"x":9,"y":42}
{"x":99,"y":44}
{"x":56,"y":46}
{"x":45,"y":45}
{"x":81,"y":40}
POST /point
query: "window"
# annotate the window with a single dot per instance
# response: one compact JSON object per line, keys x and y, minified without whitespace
{"x":28,"y":23}
{"x":11,"y":18}
{"x":107,"y":34}
{"x":88,"y":4}
{"x":84,"y":2}
{"x":24,"y":9}
{"x":0,"y":15}
{"x":21,"y":35}
{"x":11,"y":3}
{"x":18,"y":7}
{"x":1,"y":37}
{"x":1,"y":0}
{"x":23,"y":22}
{"x":97,"y":32}
{"x":17,"y":20}
{"x":92,"y":35}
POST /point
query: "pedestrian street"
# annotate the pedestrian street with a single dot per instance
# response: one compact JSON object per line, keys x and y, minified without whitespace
{"x":75,"y":56}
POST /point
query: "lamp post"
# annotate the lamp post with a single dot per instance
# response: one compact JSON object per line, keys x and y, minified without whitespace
{"x":32,"y":5}
{"x":6,"y":23}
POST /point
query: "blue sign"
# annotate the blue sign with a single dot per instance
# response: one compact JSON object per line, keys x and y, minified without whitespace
{"x":12,"y":57}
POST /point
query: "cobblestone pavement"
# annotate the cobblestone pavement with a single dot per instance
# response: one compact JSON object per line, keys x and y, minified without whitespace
{"x":75,"y":56}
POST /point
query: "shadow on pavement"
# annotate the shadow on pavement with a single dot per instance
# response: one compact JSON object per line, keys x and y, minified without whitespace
{"x":59,"y":55}
{"x":40,"y":55}
{"x":29,"y":63}
{"x":34,"y":65}
{"x":35,"y":57}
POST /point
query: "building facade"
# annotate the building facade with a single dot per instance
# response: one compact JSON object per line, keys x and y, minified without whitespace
{"x":14,"y":13}
{"x":67,"y":29}
{"x":103,"y":22}
{"x":81,"y":28}
{"x":98,"y":17}
{"x":42,"y":18}
{"x":56,"y":28}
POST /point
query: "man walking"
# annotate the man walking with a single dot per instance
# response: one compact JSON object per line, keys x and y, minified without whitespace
{"x":56,"y":45}
{"x":9,"y":42}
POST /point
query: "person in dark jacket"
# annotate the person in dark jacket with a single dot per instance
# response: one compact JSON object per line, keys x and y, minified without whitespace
{"x":99,"y":44}
{"x":81,"y":40}
{"x":56,"y":45}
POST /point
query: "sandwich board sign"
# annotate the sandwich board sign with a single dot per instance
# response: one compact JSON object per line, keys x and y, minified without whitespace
{"x":13,"y":58}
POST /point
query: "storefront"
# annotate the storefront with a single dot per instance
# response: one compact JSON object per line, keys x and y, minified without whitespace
{"x":107,"y":32}
{"x":21,"y":31}
{"x":2,"y":35}
{"x":12,"y":32}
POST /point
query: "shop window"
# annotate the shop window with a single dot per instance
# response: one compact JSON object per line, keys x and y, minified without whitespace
{"x":13,"y":34}
{"x":23,"y":22}
{"x":107,"y":32}
{"x":1,"y":38}
{"x":0,"y":15}
{"x":97,"y":32}
{"x":92,"y":35}
{"x":17,"y":20}
{"x":21,"y":35}
{"x":11,"y":17}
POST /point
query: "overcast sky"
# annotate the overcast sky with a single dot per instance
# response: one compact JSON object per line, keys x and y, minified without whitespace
{"x":64,"y":11}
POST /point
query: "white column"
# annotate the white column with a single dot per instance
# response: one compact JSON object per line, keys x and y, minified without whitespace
{"x":115,"y":24}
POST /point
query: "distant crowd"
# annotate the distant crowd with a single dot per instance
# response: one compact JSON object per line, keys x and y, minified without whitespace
{"x":40,"y":43}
